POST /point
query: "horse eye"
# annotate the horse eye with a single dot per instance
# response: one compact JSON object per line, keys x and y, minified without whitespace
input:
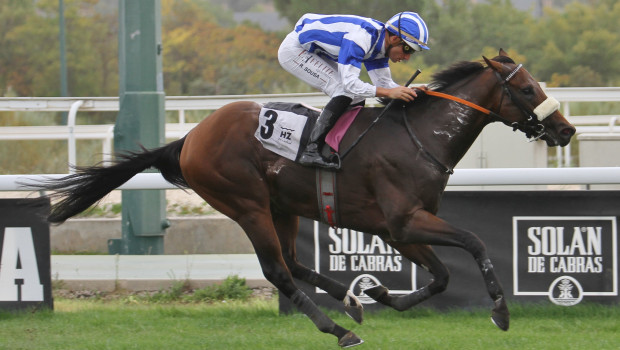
{"x":528,"y":91}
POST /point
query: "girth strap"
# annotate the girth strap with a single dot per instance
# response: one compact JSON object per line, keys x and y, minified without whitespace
{"x":326,"y":196}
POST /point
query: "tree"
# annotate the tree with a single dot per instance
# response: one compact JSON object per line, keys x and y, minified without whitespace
{"x":30,"y":58}
{"x":599,"y":50}
{"x":202,"y":56}
{"x":13,"y":15}
{"x":581,"y":35}
{"x":28,"y":43}
{"x":206,"y":52}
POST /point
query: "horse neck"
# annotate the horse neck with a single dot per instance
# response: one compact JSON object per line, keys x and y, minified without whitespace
{"x":450,"y":130}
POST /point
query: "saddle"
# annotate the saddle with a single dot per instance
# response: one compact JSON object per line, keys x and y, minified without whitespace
{"x":284,"y":128}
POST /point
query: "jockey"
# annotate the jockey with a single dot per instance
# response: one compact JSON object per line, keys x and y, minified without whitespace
{"x":327,"y":52}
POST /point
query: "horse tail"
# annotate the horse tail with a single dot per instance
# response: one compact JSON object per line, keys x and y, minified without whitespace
{"x":88,"y":185}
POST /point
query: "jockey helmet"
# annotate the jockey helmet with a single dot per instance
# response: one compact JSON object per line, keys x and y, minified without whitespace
{"x":410,"y":27}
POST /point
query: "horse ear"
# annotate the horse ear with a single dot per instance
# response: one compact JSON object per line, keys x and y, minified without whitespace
{"x":496,"y":66}
{"x":502,"y":52}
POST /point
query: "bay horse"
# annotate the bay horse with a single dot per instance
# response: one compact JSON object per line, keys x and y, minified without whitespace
{"x":390,"y":183}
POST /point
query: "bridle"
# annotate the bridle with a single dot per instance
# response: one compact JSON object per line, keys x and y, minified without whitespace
{"x":532,"y":126}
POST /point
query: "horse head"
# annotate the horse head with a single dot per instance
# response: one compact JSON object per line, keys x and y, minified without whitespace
{"x":525,"y":106}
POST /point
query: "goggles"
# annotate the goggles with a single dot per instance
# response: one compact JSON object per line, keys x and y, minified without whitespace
{"x":408,"y":50}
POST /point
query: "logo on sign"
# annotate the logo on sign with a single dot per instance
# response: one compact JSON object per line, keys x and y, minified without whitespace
{"x":361,"y":283}
{"x":363,"y":259}
{"x":558,"y":256}
{"x":565,"y":291}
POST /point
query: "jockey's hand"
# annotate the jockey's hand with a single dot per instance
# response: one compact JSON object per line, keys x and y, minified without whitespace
{"x":401,"y":93}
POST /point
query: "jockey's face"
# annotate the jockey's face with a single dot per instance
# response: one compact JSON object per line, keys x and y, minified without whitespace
{"x":395,"y":49}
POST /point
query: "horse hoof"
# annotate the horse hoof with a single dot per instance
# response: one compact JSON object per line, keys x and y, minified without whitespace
{"x":349,"y":340}
{"x":353,"y":307}
{"x":355,"y":312}
{"x":501,"y":315}
{"x":376,"y":292}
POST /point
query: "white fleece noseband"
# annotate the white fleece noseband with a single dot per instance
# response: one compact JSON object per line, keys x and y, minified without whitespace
{"x":547,"y":107}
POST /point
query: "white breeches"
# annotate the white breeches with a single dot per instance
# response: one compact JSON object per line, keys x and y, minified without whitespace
{"x":314,"y":70}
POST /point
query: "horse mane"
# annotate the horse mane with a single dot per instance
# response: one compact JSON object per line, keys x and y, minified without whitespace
{"x":453,"y":74}
{"x":461,"y":70}
{"x":456,"y":72}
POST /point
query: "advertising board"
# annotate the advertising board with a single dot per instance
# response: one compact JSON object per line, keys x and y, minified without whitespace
{"x":25,"y":274}
{"x":546,"y":246}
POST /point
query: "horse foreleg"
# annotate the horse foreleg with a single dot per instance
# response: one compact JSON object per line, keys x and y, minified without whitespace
{"x":287,"y":227}
{"x":423,"y":256}
{"x":425,"y":228}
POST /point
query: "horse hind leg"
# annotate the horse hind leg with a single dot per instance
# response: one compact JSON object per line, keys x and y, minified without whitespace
{"x":423,"y":256}
{"x":352,"y":305}
{"x":261,"y":232}
{"x":255,"y":219}
{"x":238,"y":189}
{"x":287,"y":227}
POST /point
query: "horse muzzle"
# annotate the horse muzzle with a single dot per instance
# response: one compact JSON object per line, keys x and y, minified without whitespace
{"x":558,"y":131}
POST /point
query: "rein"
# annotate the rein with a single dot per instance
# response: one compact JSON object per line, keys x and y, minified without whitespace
{"x":532,"y":127}
{"x":490,"y":113}
{"x":385,"y":109}
{"x":461,"y":101}
{"x":418,"y":143}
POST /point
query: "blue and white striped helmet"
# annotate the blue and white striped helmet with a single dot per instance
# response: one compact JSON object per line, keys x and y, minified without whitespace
{"x":410,"y":27}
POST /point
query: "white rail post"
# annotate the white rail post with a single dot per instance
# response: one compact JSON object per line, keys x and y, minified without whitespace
{"x":71,"y":140}
{"x":612,"y":123}
{"x":564,"y":159}
{"x":107,"y":146}
{"x":182,"y":123}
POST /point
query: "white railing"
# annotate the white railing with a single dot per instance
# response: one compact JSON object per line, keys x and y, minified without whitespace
{"x":580,"y":94}
{"x":461,"y":177}
{"x":71,"y":131}
{"x":173,"y":103}
{"x":181,"y":104}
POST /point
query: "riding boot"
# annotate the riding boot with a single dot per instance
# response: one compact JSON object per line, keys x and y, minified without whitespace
{"x":330,"y":114}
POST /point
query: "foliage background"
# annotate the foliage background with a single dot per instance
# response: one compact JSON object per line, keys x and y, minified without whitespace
{"x":207,"y":52}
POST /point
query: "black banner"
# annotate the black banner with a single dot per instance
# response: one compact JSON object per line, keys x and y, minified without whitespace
{"x":25,"y":271}
{"x":554,"y":246}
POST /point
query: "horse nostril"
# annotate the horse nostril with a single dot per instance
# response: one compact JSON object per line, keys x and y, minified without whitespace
{"x":568,"y":132}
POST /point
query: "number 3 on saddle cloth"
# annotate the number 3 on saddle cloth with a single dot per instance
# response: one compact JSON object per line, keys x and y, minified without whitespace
{"x":284,"y":128}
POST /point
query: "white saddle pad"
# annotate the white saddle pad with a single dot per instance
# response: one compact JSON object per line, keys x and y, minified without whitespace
{"x":281,"y":128}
